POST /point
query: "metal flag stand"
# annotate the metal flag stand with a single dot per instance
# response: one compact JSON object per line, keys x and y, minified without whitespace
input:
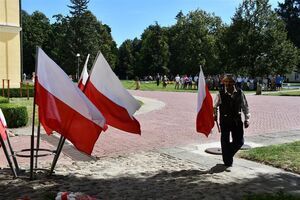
{"x":218,"y":150}
{"x":35,"y":152}
{"x":13,"y":165}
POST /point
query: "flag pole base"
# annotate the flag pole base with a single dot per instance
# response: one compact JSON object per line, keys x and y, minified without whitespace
{"x":13,"y":164}
{"x":214,"y":151}
{"x":48,"y":152}
{"x":218,"y":151}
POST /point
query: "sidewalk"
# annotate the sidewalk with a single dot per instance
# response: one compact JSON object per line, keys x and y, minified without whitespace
{"x":171,"y":173}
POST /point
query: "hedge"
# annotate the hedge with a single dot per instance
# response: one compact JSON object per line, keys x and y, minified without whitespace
{"x":15,"y":115}
{"x":3,"y":100}
{"x":15,"y":92}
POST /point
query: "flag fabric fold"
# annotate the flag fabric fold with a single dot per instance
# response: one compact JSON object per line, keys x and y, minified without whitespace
{"x":117,"y":105}
{"x":205,"y":119}
{"x":84,"y":74}
{"x":3,"y":126}
{"x":62,"y":107}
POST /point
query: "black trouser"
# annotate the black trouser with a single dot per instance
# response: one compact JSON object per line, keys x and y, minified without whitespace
{"x":235,"y":127}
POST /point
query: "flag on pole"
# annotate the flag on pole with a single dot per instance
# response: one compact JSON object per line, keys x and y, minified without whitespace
{"x":2,"y":126}
{"x":84,"y":74}
{"x":63,"y":108}
{"x":117,"y":105}
{"x":205,"y":119}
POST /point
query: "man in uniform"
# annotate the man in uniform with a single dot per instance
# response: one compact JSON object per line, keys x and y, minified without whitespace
{"x":232,"y":102}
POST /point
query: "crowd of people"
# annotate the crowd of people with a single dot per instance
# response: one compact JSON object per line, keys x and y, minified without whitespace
{"x":267,"y":83}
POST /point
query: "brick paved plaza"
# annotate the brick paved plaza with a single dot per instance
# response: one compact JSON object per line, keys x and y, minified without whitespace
{"x":168,"y":160}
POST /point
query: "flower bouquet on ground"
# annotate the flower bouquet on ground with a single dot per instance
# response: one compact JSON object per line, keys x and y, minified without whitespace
{"x":73,"y":196}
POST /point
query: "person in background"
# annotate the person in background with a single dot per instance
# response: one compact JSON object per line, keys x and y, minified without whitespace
{"x":157,"y":78}
{"x":177,"y":81}
{"x":196,"y":78}
{"x":137,"y":83}
{"x":231,"y":101}
{"x":165,"y":81}
{"x":24,"y":77}
{"x":278,"y":82}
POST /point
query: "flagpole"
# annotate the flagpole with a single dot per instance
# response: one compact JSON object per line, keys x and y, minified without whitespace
{"x":218,"y":126}
{"x":37,"y":143}
{"x":12,"y":154}
{"x":57,"y":153}
{"x":7,"y":157}
{"x":33,"y":117}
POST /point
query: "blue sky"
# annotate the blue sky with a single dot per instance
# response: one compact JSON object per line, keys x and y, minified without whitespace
{"x":129,"y":18}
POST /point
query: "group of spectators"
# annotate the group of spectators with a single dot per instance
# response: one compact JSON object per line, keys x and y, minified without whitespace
{"x":180,"y":82}
{"x":268,"y":83}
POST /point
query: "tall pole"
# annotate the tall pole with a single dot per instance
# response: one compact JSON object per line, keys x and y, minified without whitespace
{"x":33,"y":119}
{"x":77,"y":55}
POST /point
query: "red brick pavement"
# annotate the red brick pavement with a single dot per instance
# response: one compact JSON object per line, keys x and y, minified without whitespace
{"x":174,"y":125}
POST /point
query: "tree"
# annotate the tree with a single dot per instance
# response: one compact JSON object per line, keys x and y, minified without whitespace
{"x":36,"y":30}
{"x":193,"y":42}
{"x":154,"y":53}
{"x":125,"y":68}
{"x":289,"y":11}
{"x":78,"y":7}
{"x":256,"y":42}
{"x":86,"y":35}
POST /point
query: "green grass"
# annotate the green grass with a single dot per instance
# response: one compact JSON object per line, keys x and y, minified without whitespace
{"x":151,"y":86}
{"x":284,"y":93}
{"x":29,"y":106}
{"x":285,"y":156}
{"x":291,"y":84}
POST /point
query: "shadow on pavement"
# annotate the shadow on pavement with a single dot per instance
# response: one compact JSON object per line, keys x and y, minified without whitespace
{"x":182,"y":184}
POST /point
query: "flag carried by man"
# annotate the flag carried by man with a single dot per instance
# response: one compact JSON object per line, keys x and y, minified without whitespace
{"x":63,"y":108}
{"x":84,"y":74}
{"x":117,"y":105}
{"x":205,"y":119}
{"x":2,"y":126}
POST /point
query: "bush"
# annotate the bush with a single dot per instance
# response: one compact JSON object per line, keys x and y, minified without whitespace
{"x":15,"y":115}
{"x":15,"y":92}
{"x":3,"y":100}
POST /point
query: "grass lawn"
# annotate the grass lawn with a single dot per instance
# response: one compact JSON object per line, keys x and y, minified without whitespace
{"x":285,"y":156}
{"x":284,"y":93}
{"x":28,"y":104}
{"x":151,"y":86}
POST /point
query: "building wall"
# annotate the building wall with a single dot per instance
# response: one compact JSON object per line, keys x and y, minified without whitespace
{"x":10,"y":55}
{"x":293,"y":77}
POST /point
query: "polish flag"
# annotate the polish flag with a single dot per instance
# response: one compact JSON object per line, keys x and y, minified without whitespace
{"x":2,"y":126}
{"x":63,"y":107}
{"x":84,"y":74}
{"x":106,"y":92}
{"x":205,"y":119}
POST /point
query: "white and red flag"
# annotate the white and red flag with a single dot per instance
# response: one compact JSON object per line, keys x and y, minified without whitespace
{"x":2,"y":126}
{"x":106,"y":92}
{"x":84,"y":74}
{"x":63,"y":107}
{"x":205,"y":118}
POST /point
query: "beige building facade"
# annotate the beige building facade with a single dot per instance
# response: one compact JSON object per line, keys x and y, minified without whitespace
{"x":10,"y":43}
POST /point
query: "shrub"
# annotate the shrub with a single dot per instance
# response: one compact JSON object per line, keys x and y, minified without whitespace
{"x":15,"y":92}
{"x":15,"y":115}
{"x":3,"y":100}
